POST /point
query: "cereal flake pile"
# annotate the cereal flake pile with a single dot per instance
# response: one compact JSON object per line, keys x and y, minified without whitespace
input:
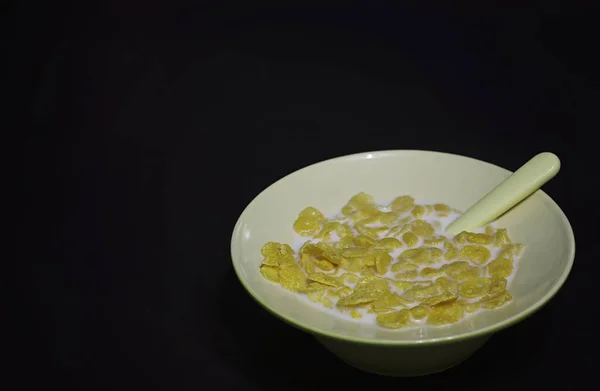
{"x":394,"y":262}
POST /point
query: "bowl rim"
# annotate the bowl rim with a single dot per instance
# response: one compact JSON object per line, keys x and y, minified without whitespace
{"x":426,"y":341}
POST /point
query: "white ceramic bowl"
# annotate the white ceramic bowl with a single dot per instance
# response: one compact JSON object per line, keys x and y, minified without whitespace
{"x":455,"y":180}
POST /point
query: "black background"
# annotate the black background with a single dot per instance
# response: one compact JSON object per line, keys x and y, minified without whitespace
{"x":149,"y":127}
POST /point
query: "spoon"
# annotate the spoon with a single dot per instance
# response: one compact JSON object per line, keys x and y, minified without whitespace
{"x":523,"y":182}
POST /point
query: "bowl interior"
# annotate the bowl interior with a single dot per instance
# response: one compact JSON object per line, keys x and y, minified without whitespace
{"x":431,"y":177}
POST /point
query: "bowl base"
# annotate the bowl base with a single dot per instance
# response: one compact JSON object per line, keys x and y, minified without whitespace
{"x":405,"y":374}
{"x":404,"y":360}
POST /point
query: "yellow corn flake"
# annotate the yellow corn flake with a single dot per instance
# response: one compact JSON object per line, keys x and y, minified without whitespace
{"x":461,"y":270}
{"x":401,"y":227}
{"x":313,"y":213}
{"x":510,"y":250}
{"x":271,"y":260}
{"x":372,"y":232}
{"x":356,"y":252}
{"x":442,"y":209}
{"x":368,"y":272}
{"x":354,"y":265}
{"x":370,"y":260}
{"x":403,"y":284}
{"x":389,"y":244}
{"x":325,"y":279}
{"x":479,"y":238}
{"x":447,"y":285}
{"x":310,"y":267}
{"x":422,"y":255}
{"x":346,"y":241}
{"x":429,"y":272}
{"x":291,"y":277}
{"x":349,"y":278}
{"x":358,"y":297}
{"x":475,"y":253}
{"x":387,"y":302}
{"x":276,"y":249}
{"x":435,"y":241}
{"x":287,"y":260}
{"x":382,"y":262}
{"x":410,"y":239}
{"x":343,"y":230}
{"x":394,"y":320}
{"x":500,"y":267}
{"x":327,"y":229}
{"x":461,"y":238}
{"x":367,"y":290}
{"x":316,"y":296}
{"x":475,"y":287}
{"x":448,"y":243}
{"x":490,"y":230}
{"x":407,"y":275}
{"x":364,"y":241}
{"x":419,"y":312}
{"x":496,"y":300}
{"x":374,"y":282}
{"x":359,"y":206}
{"x":497,"y":285}
{"x":501,"y":238}
{"x":343,"y":291}
{"x":315,"y":250}
{"x":324,"y":265}
{"x":418,"y":211}
{"x":323,"y":251}
{"x":355,"y":314}
{"x":313,"y":287}
{"x":402,"y":204}
{"x":421,"y":292}
{"x":404,"y":266}
{"x":271,"y":273}
{"x":447,"y":313}
{"x":439,"y":299}
{"x":388,"y":218}
{"x":422,"y":228}
{"x":307,"y":226}
{"x":451,"y":254}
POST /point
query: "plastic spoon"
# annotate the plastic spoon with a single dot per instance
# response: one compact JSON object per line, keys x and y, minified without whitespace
{"x":523,"y":182}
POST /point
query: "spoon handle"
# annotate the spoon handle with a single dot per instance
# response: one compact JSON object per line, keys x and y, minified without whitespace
{"x":527,"y":179}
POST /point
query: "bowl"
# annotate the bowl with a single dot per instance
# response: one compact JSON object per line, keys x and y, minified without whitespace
{"x":458,"y":181}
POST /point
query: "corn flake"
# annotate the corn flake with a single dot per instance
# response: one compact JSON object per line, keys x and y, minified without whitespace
{"x":410,"y":239}
{"x":419,"y":312}
{"x":382,"y":262}
{"x":447,"y":313}
{"x":479,"y":238}
{"x":500,"y":267}
{"x":394,"y":320}
{"x":421,"y":292}
{"x":325,"y":279}
{"x":403,"y":204}
{"x":461,"y":270}
{"x":475,"y":287}
{"x":422,"y":255}
{"x":495,"y":300}
{"x":270,"y":273}
{"x":422,"y":228}
{"x":291,"y":277}
{"x":475,"y":253}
